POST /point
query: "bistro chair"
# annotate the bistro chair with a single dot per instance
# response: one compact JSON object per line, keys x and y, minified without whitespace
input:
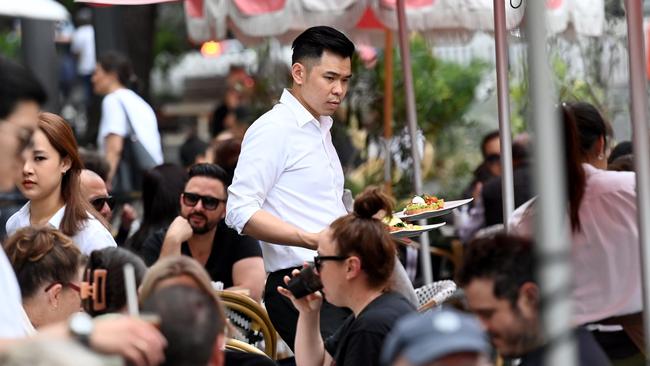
{"x":237,"y":345}
{"x":434,"y":294}
{"x":251,"y":322}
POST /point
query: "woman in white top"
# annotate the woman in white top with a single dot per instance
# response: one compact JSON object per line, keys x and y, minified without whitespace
{"x":120,"y":105}
{"x":603,"y":222}
{"x":47,"y":266}
{"x":50,"y":180}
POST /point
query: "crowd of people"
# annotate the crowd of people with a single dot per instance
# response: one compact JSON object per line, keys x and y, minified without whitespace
{"x":261,"y":207}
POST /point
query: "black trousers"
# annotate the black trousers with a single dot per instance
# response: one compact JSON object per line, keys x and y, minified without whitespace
{"x":284,"y":315}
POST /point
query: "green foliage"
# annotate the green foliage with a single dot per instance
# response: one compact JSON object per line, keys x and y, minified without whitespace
{"x":9,"y":45}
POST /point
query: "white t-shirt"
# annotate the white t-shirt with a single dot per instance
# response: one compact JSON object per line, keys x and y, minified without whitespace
{"x":83,"y":44}
{"x":11,"y":310}
{"x":605,"y":252}
{"x":142,"y":117}
{"x":92,"y":236}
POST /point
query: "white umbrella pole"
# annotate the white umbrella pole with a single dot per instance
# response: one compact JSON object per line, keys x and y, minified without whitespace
{"x":501,"y":50}
{"x":552,"y":246}
{"x":634,"y":13}
{"x":411,"y":117}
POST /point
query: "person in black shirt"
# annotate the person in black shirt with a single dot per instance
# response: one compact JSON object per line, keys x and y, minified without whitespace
{"x":497,"y":277}
{"x":356,"y":255}
{"x":200,"y":232}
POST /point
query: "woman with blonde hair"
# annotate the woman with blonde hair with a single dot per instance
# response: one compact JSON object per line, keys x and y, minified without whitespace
{"x":47,"y":266}
{"x":50,"y":180}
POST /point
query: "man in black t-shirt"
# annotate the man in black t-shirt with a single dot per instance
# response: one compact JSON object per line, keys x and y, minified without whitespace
{"x":201,"y":233}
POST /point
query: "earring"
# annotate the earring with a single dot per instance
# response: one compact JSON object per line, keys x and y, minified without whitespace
{"x":601,"y":156}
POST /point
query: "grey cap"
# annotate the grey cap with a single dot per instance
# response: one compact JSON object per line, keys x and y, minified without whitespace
{"x":423,"y":338}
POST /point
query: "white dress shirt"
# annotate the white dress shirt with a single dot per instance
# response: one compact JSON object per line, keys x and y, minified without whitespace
{"x":605,"y":252}
{"x":92,"y":236}
{"x":12,"y":323}
{"x":289,"y":168}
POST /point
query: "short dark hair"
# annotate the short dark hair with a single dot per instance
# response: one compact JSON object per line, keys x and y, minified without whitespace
{"x":623,"y":148}
{"x":191,"y":148}
{"x":312,"y":42}
{"x":112,"y":61}
{"x":17,"y":84}
{"x":189,"y":320}
{"x":487,"y":138}
{"x":505,"y":259}
{"x":213,"y":171}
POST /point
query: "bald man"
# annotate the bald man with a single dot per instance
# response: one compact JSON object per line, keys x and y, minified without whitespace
{"x":94,"y":191}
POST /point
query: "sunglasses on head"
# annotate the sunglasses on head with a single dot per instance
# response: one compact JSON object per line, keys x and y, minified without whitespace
{"x":98,"y":203}
{"x":209,"y":202}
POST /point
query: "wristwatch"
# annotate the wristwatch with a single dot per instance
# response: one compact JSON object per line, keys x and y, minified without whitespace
{"x":81,"y":327}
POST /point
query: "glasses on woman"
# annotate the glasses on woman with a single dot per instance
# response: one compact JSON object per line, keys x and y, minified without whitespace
{"x":209,"y":202}
{"x":319,"y":259}
{"x":64,"y":284}
{"x":99,"y":202}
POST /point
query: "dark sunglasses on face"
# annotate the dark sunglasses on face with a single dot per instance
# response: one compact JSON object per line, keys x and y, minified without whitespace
{"x":209,"y":202}
{"x":319,"y":259}
{"x":98,"y":203}
{"x":493,"y":158}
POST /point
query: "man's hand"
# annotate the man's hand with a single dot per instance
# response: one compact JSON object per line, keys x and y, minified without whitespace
{"x":135,"y":339}
{"x":180,"y":230}
{"x":128,"y":216}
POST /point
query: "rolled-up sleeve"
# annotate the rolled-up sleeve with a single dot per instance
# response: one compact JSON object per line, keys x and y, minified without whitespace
{"x":260,"y":165}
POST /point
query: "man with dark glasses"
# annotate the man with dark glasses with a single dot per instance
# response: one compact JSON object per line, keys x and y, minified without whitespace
{"x":200,"y":232}
{"x":94,"y":191}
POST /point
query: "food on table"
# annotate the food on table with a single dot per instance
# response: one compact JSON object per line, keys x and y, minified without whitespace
{"x":424,"y":204}
{"x":395,"y":224}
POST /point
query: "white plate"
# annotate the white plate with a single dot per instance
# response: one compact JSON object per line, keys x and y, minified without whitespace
{"x":449,"y":206}
{"x":410,"y":233}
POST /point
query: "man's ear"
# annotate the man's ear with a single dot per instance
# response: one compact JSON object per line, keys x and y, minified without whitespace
{"x":218,"y":351}
{"x":352,"y":267}
{"x":299,"y":73}
{"x":528,"y":300}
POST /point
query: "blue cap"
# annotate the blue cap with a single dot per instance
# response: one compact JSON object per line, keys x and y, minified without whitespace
{"x":423,"y":338}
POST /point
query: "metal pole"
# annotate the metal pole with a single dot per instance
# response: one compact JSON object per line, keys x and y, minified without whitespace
{"x":39,"y":55}
{"x":388,"y":108}
{"x":552,"y":246}
{"x":412,"y":124}
{"x":501,"y":50}
{"x":638,"y":111}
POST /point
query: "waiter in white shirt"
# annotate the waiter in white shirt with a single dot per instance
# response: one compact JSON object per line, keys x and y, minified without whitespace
{"x":288,"y":184}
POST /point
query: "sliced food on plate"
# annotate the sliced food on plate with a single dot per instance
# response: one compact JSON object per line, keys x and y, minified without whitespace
{"x":396,"y":224}
{"x":424,"y":204}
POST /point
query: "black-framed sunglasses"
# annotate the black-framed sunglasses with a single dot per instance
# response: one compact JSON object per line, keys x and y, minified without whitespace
{"x":99,"y":202}
{"x":319,"y":259}
{"x":209,"y":202}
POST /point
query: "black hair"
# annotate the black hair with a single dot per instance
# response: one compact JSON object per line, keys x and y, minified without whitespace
{"x":113,"y":259}
{"x":191,"y":148}
{"x":505,"y":259}
{"x":112,"y":61}
{"x":189,"y":320}
{"x":161,"y":188}
{"x":17,"y":84}
{"x":213,"y":171}
{"x":312,"y":42}
{"x":621,"y":149}
{"x":487,"y":138}
{"x":583,"y":127}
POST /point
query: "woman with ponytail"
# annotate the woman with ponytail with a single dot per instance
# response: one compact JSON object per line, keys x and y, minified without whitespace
{"x":47,"y":266}
{"x":50,"y":180}
{"x":356,"y":257}
{"x":602,"y":214}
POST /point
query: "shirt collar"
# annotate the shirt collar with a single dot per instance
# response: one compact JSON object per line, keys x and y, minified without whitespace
{"x":303,"y":116}
{"x":55,"y":220}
